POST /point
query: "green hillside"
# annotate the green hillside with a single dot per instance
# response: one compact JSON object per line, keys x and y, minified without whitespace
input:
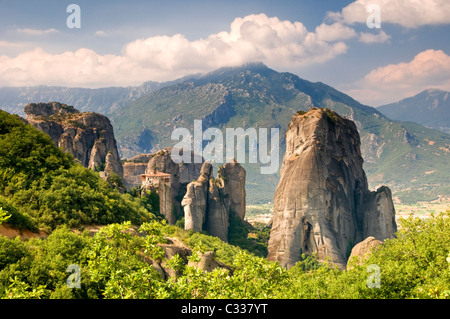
{"x":114,"y":264}
{"x":410,"y":159}
{"x":43,"y":187}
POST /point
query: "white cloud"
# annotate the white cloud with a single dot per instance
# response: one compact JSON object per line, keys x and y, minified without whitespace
{"x":36,"y":32}
{"x":334,"y":32}
{"x":100,"y":33}
{"x":428,"y":69}
{"x":407,"y":13}
{"x":252,"y":38}
{"x":14,"y":48}
{"x":429,"y":66}
{"x":83,"y":67}
{"x":380,"y":37}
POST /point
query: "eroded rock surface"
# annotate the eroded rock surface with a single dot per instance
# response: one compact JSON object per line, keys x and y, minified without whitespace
{"x":133,"y":168}
{"x":182,"y":174}
{"x":196,"y":199}
{"x":89,"y":137}
{"x":322,"y":203}
{"x":234,"y":176}
{"x":210,"y":202}
{"x":362,"y":250}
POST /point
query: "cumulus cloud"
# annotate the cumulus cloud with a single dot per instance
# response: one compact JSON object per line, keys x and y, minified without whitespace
{"x":252,"y":38}
{"x":427,"y":66}
{"x":334,"y":32}
{"x":407,"y":13}
{"x":380,"y":37}
{"x":428,"y":69}
{"x":261,"y":38}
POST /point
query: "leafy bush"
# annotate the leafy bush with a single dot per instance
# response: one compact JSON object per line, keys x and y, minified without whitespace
{"x":11,"y":251}
{"x":3,"y":216}
{"x":415,"y":265}
{"x":412,"y":265}
{"x":223,"y":251}
{"x":16,"y":217}
{"x":115,"y":263}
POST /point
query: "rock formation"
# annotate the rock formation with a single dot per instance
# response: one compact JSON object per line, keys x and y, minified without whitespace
{"x":362,"y":250}
{"x":133,"y":168}
{"x":208,"y":263}
{"x":322,"y":203}
{"x":209,"y":201}
{"x":379,"y":220}
{"x":217,"y":217}
{"x":234,"y":176}
{"x":175,"y":246}
{"x":172,"y":247}
{"x":159,"y":182}
{"x":195,"y":200}
{"x":89,"y":137}
{"x":34,"y":110}
{"x":182,"y":175}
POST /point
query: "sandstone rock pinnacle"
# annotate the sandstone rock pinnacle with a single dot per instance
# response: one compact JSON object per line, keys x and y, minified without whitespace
{"x":322,"y":203}
{"x":209,"y":201}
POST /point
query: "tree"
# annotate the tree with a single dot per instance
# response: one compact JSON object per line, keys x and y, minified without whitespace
{"x":118,"y":267}
{"x":3,"y":216}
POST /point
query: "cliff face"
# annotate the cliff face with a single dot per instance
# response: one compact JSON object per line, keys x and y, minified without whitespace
{"x":196,"y":199}
{"x":233,"y":175}
{"x":89,"y":137}
{"x":182,"y":175}
{"x":133,"y":168}
{"x":322,"y":203}
{"x":209,"y":201}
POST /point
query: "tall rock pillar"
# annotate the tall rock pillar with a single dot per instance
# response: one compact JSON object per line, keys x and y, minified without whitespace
{"x":322,"y":203}
{"x":209,"y":201}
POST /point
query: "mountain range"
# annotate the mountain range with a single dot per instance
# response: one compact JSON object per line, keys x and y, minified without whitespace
{"x":102,"y":100}
{"x":430,"y":108}
{"x":409,"y":158}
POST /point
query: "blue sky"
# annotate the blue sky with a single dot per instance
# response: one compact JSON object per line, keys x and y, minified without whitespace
{"x":123,"y":43}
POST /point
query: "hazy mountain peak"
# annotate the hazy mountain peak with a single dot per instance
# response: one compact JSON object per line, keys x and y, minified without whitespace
{"x":224,"y":72}
{"x":434,"y":91}
{"x":251,"y":66}
{"x":430,"y":108}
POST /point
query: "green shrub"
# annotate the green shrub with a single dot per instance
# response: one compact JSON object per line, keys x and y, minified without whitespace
{"x":114,"y":264}
{"x":16,"y":218}
{"x":11,"y":251}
